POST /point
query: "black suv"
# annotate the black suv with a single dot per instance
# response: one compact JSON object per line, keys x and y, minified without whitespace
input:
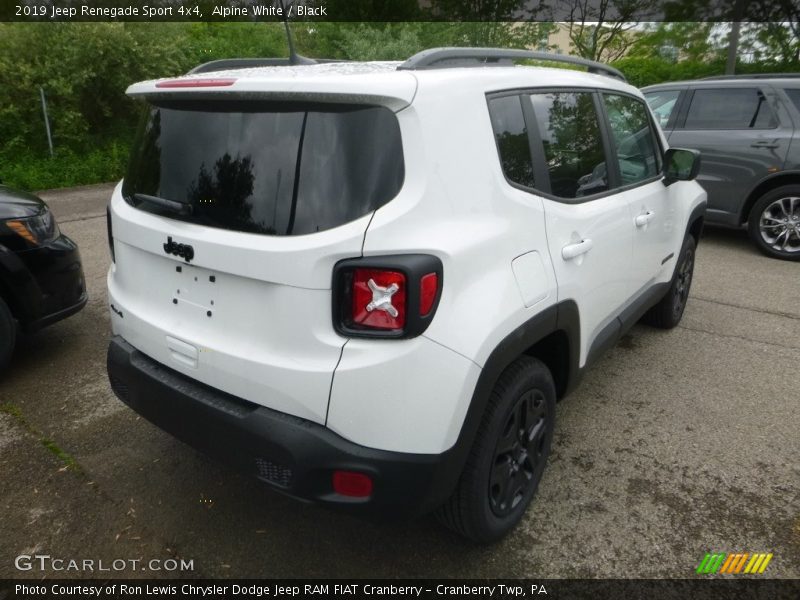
{"x":746,"y":128}
{"x":41,"y":278}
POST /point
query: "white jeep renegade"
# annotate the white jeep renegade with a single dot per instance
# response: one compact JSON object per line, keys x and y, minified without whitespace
{"x":367,"y":283}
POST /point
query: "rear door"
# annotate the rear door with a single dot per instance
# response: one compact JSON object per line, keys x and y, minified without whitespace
{"x":589,"y":226}
{"x":226,"y":229}
{"x":743,"y":135}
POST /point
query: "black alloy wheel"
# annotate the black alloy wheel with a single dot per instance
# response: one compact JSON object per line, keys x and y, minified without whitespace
{"x":508,"y":456}
{"x":519,"y":458}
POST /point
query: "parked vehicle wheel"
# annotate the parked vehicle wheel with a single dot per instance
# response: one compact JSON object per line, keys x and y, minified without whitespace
{"x":774,"y":223}
{"x":669,"y":311}
{"x":8,"y":334}
{"x":508,"y":456}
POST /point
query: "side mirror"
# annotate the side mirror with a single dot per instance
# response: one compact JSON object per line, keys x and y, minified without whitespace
{"x":680,"y":164}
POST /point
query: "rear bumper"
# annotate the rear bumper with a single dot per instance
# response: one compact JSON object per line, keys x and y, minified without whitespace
{"x":293,"y":455}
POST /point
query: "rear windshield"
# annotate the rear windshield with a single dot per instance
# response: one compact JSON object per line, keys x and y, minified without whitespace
{"x":276,"y":169}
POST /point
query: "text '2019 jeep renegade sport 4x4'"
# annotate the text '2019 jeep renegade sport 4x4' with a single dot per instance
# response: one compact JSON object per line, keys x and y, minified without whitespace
{"x":367,"y":283}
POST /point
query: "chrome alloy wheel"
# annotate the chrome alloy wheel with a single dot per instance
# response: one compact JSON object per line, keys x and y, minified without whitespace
{"x":779,"y":224}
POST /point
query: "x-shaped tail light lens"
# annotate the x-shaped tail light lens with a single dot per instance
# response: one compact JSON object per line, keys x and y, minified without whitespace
{"x":379,"y":298}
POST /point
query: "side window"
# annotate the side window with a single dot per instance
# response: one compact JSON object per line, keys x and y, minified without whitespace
{"x":794,"y":96}
{"x":573,"y":147}
{"x":662,"y":104}
{"x":729,"y":108}
{"x":512,"y":139}
{"x":632,"y":137}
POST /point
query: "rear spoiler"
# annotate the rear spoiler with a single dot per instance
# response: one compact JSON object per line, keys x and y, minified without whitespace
{"x":391,"y":89}
{"x":230,"y":64}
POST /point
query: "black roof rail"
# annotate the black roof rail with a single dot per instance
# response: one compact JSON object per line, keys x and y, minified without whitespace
{"x":228,"y":64}
{"x":442,"y":58}
{"x":754,"y":76}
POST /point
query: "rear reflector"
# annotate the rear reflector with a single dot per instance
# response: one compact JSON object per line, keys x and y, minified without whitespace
{"x":193,"y":83}
{"x":354,"y":485}
{"x":428,"y":286}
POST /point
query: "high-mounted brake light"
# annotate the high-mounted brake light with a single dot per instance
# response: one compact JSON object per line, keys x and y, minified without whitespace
{"x":391,"y":296}
{"x":193,"y":83}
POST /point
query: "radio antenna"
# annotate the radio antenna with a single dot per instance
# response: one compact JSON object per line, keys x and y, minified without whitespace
{"x":294,"y":57}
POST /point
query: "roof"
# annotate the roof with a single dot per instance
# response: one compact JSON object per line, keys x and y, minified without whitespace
{"x":368,"y":82}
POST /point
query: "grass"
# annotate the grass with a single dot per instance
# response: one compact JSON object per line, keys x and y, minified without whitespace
{"x":63,"y":456}
{"x":14,"y":411}
{"x":30,"y":171}
{"x":66,"y":458}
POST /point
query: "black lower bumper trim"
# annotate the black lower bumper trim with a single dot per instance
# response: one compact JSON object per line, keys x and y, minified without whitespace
{"x":293,"y":455}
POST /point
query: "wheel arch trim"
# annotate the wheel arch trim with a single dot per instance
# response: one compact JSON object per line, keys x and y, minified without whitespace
{"x":766,"y":185}
{"x":563,"y":317}
{"x":697,"y":215}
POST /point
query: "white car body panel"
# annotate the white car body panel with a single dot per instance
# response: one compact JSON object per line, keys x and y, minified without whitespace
{"x":270,"y":339}
{"x":251,"y":346}
{"x":401,"y":395}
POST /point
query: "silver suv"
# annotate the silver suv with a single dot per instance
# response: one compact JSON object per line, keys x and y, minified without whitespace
{"x":746,"y":129}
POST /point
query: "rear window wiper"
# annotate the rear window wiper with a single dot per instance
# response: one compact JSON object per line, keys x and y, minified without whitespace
{"x":180,"y":208}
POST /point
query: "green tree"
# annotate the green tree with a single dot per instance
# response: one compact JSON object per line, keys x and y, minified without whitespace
{"x":84,"y":69}
{"x":600,"y":30}
{"x":693,"y":41}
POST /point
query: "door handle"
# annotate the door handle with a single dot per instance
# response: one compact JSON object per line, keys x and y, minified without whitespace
{"x":570,"y":251}
{"x":644,"y":218}
{"x":764,"y":144}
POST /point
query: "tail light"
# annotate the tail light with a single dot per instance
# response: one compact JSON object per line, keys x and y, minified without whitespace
{"x":386,"y":296}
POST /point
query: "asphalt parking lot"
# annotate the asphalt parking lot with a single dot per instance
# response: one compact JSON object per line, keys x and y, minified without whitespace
{"x":676,"y":444}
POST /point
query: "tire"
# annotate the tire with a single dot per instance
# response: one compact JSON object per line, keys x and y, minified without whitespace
{"x":774,"y":223}
{"x":8,"y":334}
{"x":669,"y":310}
{"x":502,"y":472}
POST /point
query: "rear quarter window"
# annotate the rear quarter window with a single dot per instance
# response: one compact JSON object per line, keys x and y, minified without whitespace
{"x":511,"y":137}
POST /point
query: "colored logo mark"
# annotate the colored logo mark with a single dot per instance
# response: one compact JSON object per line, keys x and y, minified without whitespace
{"x":744,"y":562}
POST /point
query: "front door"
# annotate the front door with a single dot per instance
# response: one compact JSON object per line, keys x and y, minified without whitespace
{"x":638,"y":157}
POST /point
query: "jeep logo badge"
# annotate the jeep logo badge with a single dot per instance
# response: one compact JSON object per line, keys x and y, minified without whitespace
{"x":185,"y":251}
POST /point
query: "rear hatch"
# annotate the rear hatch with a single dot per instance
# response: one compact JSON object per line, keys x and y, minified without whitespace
{"x":227,"y":226}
